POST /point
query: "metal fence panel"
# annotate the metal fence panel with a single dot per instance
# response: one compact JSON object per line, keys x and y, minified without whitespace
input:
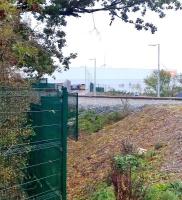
{"x":14,"y":141}
{"x":33,"y":144}
{"x":46,"y":161}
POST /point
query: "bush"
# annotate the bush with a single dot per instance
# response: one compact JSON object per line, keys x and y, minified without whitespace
{"x":127,"y":177}
{"x":104,"y":192}
{"x":134,"y":177}
{"x":91,"y":122}
{"x":176,"y":187}
{"x":160,"y":192}
{"x":167,"y":195}
{"x":123,"y":163}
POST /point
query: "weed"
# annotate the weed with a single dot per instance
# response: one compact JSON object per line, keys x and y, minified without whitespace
{"x":150,"y":154}
{"x":104,"y":192}
{"x":91,"y":122}
{"x":176,"y":187}
{"x":123,"y":163}
{"x":129,"y":184}
{"x":161,"y":192}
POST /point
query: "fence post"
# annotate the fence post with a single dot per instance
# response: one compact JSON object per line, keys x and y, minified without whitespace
{"x":64,"y":142}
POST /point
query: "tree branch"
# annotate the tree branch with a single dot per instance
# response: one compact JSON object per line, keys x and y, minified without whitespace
{"x":113,"y":6}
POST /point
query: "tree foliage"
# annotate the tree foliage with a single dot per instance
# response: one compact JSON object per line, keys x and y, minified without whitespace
{"x":56,"y":10}
{"x":34,"y":50}
{"x":17,"y":48}
{"x":151,"y":82}
{"x":169,"y":86}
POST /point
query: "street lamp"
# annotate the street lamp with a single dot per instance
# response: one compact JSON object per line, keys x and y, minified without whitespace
{"x":94,"y":59}
{"x":85,"y":77}
{"x":158,"y":74}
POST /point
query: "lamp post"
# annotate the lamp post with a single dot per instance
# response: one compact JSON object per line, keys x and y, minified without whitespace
{"x":158,"y":74}
{"x":94,"y":59}
{"x":85,"y":77}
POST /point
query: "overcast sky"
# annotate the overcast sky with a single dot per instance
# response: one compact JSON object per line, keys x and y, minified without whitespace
{"x":121,"y":45}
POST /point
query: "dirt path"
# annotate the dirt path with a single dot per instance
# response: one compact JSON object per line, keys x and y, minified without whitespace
{"x":89,"y":158}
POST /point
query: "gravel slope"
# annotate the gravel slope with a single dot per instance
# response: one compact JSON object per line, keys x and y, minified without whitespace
{"x":85,"y":102}
{"x":89,"y":158}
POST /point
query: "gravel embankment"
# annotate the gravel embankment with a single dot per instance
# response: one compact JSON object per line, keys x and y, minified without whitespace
{"x":104,"y":105}
{"x":89,"y":159}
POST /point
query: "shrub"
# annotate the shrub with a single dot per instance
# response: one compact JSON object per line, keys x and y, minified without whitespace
{"x":126,"y":177}
{"x":160,"y":192}
{"x":176,"y":187}
{"x":133,"y":175}
{"x":91,"y":122}
{"x":167,"y":195}
{"x":104,"y":192}
{"x":123,"y":163}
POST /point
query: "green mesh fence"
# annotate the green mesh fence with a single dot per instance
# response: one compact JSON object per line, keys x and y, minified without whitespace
{"x":73,"y":115}
{"x":34,"y":125}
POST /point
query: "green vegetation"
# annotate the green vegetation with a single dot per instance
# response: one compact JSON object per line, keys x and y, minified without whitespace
{"x":90,"y":121}
{"x":161,"y":195}
{"x":169,"y":86}
{"x":55,"y":13}
{"x":14,"y":131}
{"x":136,"y":177}
{"x":164,"y":191}
{"x":18,"y":46}
{"x":123,"y":163}
{"x":104,"y":192}
{"x":33,"y":49}
{"x":135,"y":187}
{"x":161,"y":191}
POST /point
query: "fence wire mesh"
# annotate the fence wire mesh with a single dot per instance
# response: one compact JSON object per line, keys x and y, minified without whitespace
{"x":13,"y":132}
{"x":33,"y":132}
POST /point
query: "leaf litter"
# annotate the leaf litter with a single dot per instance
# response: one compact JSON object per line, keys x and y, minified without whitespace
{"x":89,"y":159}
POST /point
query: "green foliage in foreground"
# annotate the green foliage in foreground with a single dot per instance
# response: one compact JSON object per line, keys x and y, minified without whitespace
{"x":104,"y":192}
{"x":168,"y":191}
{"x":133,"y":174}
{"x":123,"y":163}
{"x":162,"y":191}
{"x":143,"y":187}
{"x":91,"y":122}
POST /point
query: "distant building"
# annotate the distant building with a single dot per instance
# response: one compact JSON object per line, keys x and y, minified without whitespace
{"x":120,"y":79}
